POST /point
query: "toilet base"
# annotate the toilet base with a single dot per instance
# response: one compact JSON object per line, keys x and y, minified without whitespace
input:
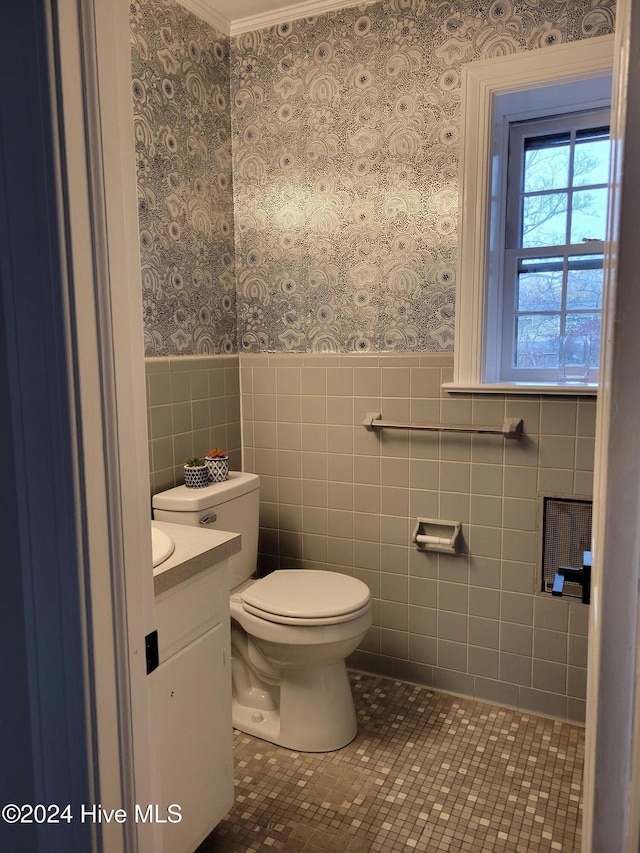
{"x":316,"y":711}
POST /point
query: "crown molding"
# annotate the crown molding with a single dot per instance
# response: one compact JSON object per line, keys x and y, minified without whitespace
{"x":292,"y":12}
{"x":204,"y":10}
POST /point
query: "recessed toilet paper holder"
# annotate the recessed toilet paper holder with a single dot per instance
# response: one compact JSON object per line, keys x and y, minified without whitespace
{"x":436,"y":534}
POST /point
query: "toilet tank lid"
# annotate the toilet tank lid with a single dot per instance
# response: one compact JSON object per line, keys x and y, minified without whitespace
{"x":182,"y":499}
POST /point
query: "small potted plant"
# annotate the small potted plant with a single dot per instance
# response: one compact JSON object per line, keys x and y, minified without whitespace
{"x":196,"y":473}
{"x":217,"y":462}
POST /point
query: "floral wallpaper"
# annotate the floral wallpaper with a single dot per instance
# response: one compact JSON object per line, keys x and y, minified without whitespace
{"x":345,"y":165}
{"x":344,"y":130}
{"x":182,"y":124}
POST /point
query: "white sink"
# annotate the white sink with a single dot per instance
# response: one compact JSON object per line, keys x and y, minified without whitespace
{"x":162,"y":545}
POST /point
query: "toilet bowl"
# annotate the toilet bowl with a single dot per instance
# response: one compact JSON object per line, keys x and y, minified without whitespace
{"x":290,"y":631}
{"x":298,"y":656}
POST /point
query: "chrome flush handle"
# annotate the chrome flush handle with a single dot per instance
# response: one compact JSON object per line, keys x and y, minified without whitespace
{"x":208,"y":519}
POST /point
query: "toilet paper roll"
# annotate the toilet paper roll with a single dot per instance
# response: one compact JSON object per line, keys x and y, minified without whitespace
{"x":423,"y":539}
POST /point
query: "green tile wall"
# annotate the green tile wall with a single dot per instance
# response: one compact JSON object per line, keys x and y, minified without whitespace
{"x":337,"y":497}
{"x":193,"y":403}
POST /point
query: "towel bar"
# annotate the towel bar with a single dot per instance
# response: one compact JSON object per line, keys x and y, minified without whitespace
{"x":511,"y":428}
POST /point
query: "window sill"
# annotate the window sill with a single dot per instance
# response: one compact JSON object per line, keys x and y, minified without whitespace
{"x":588,"y":390}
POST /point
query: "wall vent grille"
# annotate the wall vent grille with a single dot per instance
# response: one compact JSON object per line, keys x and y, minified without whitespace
{"x":566,"y":534}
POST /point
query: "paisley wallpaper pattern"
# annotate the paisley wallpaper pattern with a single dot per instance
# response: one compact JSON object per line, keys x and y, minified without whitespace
{"x":182,"y":123}
{"x":345,"y":131}
{"x":345,"y":162}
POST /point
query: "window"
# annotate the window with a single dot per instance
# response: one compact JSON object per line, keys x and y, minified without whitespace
{"x":556,"y":204}
{"x":532,"y":214}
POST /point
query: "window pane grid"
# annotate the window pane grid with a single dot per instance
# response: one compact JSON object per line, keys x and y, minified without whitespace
{"x":555,"y":255}
{"x":549,"y":199}
{"x":536,"y":327}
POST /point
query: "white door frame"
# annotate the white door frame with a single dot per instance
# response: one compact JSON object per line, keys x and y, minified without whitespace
{"x":71,"y":263}
{"x":98,"y":171}
{"x":612,"y":771}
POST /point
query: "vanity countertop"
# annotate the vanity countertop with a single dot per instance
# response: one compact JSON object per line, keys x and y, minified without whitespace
{"x":196,"y":550}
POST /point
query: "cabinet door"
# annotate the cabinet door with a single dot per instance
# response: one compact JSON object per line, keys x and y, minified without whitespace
{"x":192,"y":692}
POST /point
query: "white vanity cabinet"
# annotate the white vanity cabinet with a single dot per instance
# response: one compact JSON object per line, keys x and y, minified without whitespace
{"x":192,"y":705}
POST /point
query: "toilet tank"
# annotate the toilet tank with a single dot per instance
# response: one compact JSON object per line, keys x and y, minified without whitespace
{"x":232,"y":506}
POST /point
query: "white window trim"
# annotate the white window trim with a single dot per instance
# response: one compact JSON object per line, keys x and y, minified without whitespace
{"x":482,"y":81}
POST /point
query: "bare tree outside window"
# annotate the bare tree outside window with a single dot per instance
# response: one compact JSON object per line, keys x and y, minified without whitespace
{"x":557,"y":245}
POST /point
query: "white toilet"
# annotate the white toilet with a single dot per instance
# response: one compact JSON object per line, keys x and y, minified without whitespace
{"x":290,"y":631}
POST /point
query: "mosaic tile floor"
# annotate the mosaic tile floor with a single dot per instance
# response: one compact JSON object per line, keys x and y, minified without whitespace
{"x":427,"y":771}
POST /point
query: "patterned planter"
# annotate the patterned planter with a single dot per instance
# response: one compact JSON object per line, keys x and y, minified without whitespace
{"x":196,"y":477}
{"x":218,"y":468}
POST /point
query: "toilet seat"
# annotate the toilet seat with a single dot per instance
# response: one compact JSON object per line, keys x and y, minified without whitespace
{"x":306,"y":597}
